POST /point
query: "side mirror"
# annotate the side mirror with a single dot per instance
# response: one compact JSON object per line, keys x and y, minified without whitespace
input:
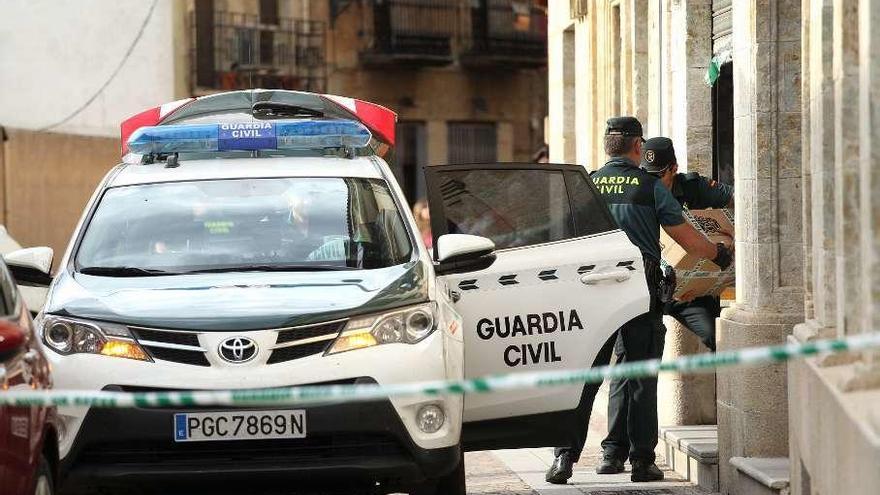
{"x":12,"y":340}
{"x":460,"y":253}
{"x":31,"y":266}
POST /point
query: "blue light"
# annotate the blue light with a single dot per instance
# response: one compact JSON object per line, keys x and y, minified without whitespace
{"x":304,"y":134}
{"x":174,"y":139}
{"x":317,"y":134}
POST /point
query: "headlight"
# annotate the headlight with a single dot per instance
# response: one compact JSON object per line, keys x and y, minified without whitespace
{"x":68,"y":336}
{"x":403,"y":326}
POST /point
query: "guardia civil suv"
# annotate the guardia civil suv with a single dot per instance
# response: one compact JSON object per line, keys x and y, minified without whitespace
{"x":258,"y":239}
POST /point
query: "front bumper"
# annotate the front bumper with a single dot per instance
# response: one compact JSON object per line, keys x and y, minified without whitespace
{"x":359,"y":442}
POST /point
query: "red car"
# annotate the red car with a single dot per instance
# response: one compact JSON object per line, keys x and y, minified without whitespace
{"x":28,"y":435}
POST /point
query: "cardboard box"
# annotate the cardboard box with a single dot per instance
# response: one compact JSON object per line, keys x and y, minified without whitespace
{"x":700,"y":277}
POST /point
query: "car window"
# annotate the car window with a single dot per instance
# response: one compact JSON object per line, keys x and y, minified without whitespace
{"x":512,"y":207}
{"x":185,"y":226}
{"x":588,"y":208}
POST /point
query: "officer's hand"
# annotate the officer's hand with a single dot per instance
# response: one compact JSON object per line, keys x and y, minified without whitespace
{"x":724,"y":257}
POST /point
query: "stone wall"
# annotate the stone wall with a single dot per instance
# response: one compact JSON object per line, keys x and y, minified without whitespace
{"x":834,"y":427}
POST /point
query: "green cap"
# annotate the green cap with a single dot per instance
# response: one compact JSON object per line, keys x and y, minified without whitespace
{"x":623,"y":126}
{"x":658,"y":154}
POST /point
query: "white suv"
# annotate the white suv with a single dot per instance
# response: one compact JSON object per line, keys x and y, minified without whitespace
{"x":255,"y":239}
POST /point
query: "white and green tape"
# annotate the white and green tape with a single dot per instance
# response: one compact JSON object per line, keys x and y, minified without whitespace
{"x":323,"y":394}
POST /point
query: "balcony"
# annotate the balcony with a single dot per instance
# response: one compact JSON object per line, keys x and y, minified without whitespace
{"x":411,"y":32}
{"x":507,"y":33}
{"x":236,"y":51}
{"x":478,"y":33}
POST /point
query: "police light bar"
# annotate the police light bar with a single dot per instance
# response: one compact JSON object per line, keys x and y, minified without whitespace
{"x":307,"y":134}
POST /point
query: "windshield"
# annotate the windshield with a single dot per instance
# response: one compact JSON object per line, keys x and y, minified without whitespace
{"x":261,"y":224}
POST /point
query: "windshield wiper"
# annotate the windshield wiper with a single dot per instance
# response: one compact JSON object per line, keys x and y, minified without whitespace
{"x":287,"y":267}
{"x":124,"y":271}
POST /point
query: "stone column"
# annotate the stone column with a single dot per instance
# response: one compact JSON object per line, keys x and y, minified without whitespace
{"x":752,"y":405}
{"x":688,"y":399}
{"x":561,"y":86}
{"x":638,"y":28}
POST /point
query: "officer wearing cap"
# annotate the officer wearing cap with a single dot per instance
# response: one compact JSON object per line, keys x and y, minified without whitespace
{"x":691,"y":190}
{"x":641,"y":204}
{"x":694,"y":192}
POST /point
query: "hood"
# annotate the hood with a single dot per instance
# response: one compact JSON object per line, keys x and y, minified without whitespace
{"x":237,"y":301}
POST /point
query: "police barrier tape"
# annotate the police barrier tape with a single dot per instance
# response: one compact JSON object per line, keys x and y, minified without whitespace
{"x":297,"y":396}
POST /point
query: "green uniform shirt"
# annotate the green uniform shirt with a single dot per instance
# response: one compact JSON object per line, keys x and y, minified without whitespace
{"x":639,"y":202}
{"x":695,"y":192}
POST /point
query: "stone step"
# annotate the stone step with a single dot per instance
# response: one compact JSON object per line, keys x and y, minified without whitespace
{"x":760,"y":475}
{"x":692,"y":452}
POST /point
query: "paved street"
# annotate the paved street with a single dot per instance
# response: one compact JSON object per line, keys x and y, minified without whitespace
{"x":521,"y":472}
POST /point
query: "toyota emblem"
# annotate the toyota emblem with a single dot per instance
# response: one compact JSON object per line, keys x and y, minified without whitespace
{"x":238,"y":350}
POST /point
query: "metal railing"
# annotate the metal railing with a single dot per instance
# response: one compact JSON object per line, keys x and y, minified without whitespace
{"x":437,"y":31}
{"x":248,"y":54}
{"x":413,"y":29}
{"x":509,"y":30}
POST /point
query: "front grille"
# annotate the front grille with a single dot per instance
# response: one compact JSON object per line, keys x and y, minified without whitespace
{"x":308,"y":332}
{"x":290,"y":353}
{"x":182,"y":346}
{"x":176,"y":337}
{"x":196,"y":358}
{"x":172,"y":345}
{"x":311,"y":450}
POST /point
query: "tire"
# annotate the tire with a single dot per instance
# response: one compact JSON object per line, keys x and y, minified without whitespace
{"x":43,"y":482}
{"x":451,"y":484}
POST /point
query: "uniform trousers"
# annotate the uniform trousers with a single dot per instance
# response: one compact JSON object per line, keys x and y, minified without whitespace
{"x":632,"y":402}
{"x":698,"y":316}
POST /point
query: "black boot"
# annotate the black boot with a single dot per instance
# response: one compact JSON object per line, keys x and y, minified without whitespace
{"x":560,"y":471}
{"x":610,"y":466}
{"x":645,"y":471}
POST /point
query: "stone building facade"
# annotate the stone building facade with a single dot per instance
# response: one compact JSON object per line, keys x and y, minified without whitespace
{"x":791,"y":121}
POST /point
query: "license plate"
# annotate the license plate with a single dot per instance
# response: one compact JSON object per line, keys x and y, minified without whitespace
{"x":239,"y":425}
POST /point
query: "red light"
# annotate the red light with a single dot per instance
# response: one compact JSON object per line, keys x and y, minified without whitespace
{"x":381,"y":121}
{"x":135,"y":122}
{"x":146,"y":118}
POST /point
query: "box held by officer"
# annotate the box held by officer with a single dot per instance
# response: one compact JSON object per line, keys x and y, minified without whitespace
{"x":695,"y":276}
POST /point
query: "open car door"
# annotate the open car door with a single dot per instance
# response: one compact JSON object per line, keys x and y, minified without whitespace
{"x":564,"y":279}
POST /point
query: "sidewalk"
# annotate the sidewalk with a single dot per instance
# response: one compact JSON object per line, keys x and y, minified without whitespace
{"x":529,"y":466}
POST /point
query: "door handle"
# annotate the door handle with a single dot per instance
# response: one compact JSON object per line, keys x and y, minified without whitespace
{"x":616,"y":276}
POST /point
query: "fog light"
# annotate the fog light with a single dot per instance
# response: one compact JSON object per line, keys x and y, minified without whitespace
{"x":430,"y":418}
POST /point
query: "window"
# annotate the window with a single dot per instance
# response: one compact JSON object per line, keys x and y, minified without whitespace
{"x":587,"y":207}
{"x":220,"y":225}
{"x":204,"y":34}
{"x":519,"y":207}
{"x":472,"y":142}
{"x":268,"y":16}
{"x":508,"y":206}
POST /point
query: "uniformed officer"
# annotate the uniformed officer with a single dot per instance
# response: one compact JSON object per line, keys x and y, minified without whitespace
{"x":641,"y":204}
{"x":693,"y":192}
